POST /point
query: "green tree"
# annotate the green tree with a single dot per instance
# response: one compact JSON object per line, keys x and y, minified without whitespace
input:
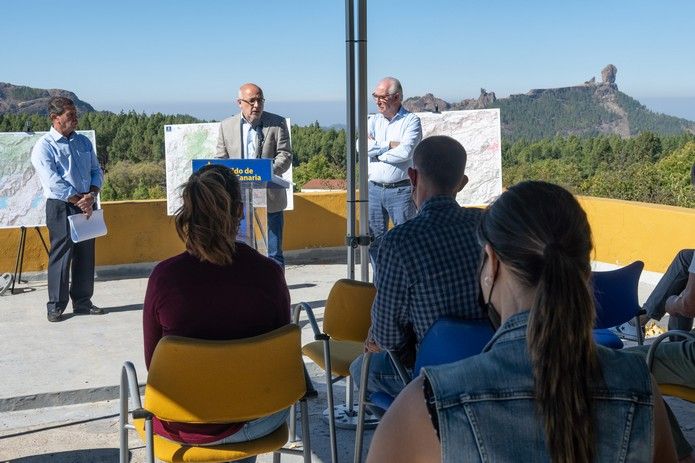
{"x":128,"y":180}
{"x":317,"y":167}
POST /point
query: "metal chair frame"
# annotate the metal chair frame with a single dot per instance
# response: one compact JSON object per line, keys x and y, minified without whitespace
{"x":130,"y":392}
{"x":671,"y":389}
{"x":325,"y":339}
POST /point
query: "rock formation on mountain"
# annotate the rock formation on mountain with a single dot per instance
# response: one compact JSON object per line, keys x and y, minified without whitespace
{"x":590,"y":108}
{"x":19,"y":99}
{"x":608,"y":74}
{"x":428,"y":102}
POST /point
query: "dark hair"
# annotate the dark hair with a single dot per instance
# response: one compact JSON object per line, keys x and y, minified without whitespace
{"x":442,"y":160}
{"x":58,"y":105}
{"x":208,"y":220}
{"x":540,"y":232}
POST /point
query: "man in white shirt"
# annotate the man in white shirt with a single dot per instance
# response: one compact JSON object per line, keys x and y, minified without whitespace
{"x":393,"y":134}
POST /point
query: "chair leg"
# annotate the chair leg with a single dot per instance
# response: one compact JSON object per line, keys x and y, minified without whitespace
{"x":306,"y":438}
{"x":329,"y":395}
{"x":149,"y":447}
{"x":640,"y":333}
{"x":349,"y":395}
{"x":276,"y":457}
{"x":123,"y":419}
{"x":362,"y":398}
{"x":293,"y":423}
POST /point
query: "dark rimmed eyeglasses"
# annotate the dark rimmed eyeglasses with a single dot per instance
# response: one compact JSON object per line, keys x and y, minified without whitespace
{"x":383,"y":97}
{"x":253,"y":101}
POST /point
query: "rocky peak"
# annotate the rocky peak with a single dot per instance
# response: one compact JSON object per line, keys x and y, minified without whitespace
{"x":428,"y":102}
{"x":19,"y":99}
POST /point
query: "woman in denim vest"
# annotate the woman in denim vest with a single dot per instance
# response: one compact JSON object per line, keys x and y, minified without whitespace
{"x":542,"y":390}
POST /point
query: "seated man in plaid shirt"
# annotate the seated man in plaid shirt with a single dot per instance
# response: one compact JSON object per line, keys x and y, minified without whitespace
{"x":427,"y":267}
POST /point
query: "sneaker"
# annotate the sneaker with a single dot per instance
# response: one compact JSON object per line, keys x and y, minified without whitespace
{"x":55,"y":315}
{"x":627,"y":331}
{"x":91,"y":309}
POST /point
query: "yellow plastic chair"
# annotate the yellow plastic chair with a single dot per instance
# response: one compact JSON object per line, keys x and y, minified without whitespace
{"x":346,"y":321}
{"x":203,"y":381}
{"x":674,"y":390}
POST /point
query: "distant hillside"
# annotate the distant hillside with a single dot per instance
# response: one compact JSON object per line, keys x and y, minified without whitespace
{"x":18,"y":99}
{"x":589,"y":109}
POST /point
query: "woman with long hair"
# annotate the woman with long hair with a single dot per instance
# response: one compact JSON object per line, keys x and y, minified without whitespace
{"x":217,"y":289}
{"x":542,"y":390}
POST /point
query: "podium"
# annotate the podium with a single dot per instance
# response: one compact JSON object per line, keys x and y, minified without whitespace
{"x":255,"y":176}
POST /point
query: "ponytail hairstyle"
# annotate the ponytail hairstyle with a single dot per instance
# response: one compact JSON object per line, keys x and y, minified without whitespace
{"x":208,"y":220}
{"x":540,"y":232}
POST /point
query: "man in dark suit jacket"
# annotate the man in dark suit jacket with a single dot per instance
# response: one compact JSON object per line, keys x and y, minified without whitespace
{"x":253,"y":134}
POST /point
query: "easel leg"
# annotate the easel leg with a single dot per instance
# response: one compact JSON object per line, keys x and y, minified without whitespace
{"x":42,"y":240}
{"x":20,"y":258}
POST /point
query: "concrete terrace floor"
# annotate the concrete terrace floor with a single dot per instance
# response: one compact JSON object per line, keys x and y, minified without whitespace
{"x":59,"y":386}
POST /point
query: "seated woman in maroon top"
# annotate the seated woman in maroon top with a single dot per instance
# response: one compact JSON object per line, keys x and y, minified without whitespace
{"x":216,"y":289}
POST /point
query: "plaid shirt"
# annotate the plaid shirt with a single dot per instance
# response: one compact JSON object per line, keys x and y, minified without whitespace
{"x":426,"y":268}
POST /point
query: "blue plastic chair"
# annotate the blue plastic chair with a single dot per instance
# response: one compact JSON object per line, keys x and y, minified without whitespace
{"x":450,"y":339}
{"x":615,"y":293}
{"x":447,"y":341}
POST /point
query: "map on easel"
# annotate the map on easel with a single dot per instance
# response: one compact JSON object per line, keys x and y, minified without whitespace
{"x":22,"y":203}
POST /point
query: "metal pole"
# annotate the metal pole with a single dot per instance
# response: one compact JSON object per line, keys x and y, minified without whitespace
{"x":350,"y":132}
{"x":362,"y":135}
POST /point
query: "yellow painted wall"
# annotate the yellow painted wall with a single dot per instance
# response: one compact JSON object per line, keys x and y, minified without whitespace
{"x":625,"y":231}
{"x":140,"y":231}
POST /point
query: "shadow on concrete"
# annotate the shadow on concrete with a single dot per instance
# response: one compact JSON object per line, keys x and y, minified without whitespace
{"x":105,"y":455}
{"x":301,"y":285}
{"x":123,"y":308}
{"x":124,"y":271}
{"x":17,"y":290}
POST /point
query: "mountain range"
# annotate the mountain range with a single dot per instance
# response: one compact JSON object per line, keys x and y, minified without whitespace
{"x":588,"y":109}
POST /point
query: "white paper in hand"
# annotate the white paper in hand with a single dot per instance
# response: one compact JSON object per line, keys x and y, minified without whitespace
{"x":82,"y":228}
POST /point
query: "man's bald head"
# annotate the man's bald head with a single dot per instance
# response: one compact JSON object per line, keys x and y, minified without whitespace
{"x":251,"y":102}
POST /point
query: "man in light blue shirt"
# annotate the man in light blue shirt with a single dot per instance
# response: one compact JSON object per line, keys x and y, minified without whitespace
{"x":71,"y":178}
{"x":393,"y":134}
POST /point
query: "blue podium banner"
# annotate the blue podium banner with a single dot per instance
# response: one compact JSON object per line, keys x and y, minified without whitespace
{"x":256,"y":171}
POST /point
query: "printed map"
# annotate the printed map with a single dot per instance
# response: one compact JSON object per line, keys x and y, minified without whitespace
{"x":185,"y":142}
{"x":479,"y":133}
{"x":21,"y":197}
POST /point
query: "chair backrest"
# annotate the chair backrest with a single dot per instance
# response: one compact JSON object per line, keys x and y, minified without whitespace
{"x":450,"y":339}
{"x":203,"y":381}
{"x":348,"y":310}
{"x":615,"y":293}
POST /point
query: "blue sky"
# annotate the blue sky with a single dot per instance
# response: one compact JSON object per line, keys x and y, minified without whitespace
{"x":191,"y":56}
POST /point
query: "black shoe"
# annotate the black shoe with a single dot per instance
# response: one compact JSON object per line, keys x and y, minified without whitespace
{"x":88,"y":310}
{"x":55,"y":315}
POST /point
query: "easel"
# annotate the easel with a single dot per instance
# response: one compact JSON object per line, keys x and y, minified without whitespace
{"x":19,"y":263}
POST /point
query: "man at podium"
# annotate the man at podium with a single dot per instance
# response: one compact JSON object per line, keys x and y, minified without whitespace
{"x":255,"y":134}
